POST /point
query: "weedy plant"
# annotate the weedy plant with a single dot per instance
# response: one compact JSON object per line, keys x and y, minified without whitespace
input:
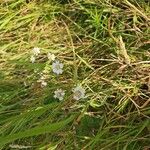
{"x":75,"y":74}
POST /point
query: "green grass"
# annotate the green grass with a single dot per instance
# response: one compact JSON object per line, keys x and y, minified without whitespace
{"x":104,"y":45}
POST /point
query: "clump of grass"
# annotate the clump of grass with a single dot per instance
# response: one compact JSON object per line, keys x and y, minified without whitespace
{"x":99,"y":98}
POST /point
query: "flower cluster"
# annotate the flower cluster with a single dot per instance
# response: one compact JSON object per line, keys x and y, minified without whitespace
{"x":59,"y":93}
{"x":36,"y":52}
{"x":42,"y":80}
{"x":78,"y":93}
{"x":57,"y":68}
{"x":51,"y":57}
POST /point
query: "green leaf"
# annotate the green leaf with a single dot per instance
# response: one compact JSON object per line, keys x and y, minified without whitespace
{"x":36,"y":131}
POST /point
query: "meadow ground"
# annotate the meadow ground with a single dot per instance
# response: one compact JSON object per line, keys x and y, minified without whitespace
{"x":102,"y":66}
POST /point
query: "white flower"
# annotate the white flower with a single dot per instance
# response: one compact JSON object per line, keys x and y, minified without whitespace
{"x":59,"y":93}
{"x":36,"y":51}
{"x":43,"y":83}
{"x":78,"y":93}
{"x":32,"y":59}
{"x":57,"y":67}
{"x":51,"y":57}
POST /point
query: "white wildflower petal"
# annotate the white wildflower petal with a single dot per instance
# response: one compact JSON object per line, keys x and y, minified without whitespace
{"x":78,"y":93}
{"x":42,"y":78}
{"x":51,"y":57}
{"x":61,"y":65}
{"x":32,"y":59}
{"x":59,"y":93}
{"x":36,"y":51}
{"x":61,"y":98}
{"x":57,"y":67}
{"x":43,"y":84}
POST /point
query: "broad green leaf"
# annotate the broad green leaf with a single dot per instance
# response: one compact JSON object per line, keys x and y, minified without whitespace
{"x":36,"y":131}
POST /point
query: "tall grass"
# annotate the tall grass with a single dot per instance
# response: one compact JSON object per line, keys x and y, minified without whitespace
{"x":104,"y":46}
